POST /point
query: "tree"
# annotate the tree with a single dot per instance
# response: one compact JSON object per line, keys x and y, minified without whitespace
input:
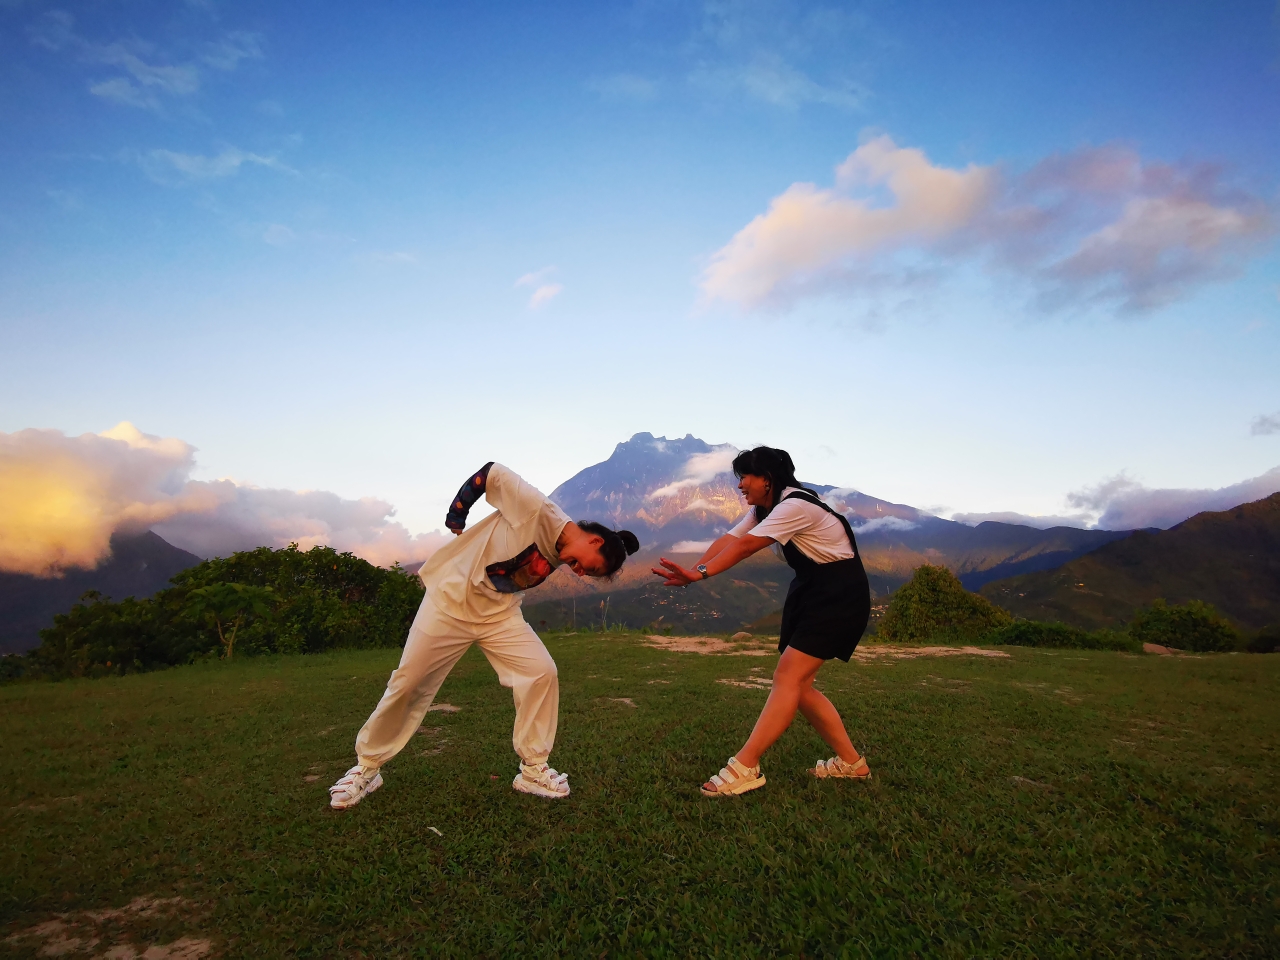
{"x":1196,"y":626}
{"x":933,"y":605}
{"x":227,"y":605}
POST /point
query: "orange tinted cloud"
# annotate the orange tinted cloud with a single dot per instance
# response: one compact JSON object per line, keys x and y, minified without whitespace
{"x":65,"y":496}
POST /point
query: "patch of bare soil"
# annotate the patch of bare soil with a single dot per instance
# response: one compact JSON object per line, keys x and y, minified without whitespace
{"x":41,"y":807}
{"x":714,"y":645}
{"x":751,"y":683}
{"x":765,"y":646}
{"x":433,"y":734}
{"x":116,"y":934}
{"x":878,"y":651}
{"x":443,"y":708}
{"x":1033,"y":784}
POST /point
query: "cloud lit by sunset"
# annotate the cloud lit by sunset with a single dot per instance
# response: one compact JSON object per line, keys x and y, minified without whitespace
{"x":64,"y":497}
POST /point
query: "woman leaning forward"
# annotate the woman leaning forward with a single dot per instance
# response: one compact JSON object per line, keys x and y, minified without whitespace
{"x":826,"y":610}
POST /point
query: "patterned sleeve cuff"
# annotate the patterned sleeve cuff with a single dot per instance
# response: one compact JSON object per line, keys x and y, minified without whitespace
{"x":472,"y":490}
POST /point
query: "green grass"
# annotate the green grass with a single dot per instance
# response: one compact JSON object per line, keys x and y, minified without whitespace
{"x":1145,"y":822}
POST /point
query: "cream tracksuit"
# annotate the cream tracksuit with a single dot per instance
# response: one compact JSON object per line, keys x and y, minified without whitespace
{"x":473,"y":596}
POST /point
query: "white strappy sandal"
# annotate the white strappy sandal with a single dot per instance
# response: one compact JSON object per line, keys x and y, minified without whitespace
{"x":734,"y":778}
{"x":835,"y":767}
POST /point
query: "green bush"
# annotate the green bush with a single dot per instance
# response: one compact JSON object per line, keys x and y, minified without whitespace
{"x":320,"y":600}
{"x":1266,"y":640}
{"x":933,"y":606}
{"x":1029,"y":633}
{"x":1195,"y":626}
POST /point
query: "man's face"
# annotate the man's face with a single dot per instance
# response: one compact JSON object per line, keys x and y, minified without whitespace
{"x":584,"y":558}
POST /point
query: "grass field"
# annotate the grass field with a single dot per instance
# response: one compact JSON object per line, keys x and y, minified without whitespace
{"x":1049,"y":803}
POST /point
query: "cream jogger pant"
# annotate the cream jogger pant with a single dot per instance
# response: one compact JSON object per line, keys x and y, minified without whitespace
{"x":436,"y":642}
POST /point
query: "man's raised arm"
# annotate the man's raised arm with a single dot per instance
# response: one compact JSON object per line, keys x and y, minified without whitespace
{"x":472,"y":490}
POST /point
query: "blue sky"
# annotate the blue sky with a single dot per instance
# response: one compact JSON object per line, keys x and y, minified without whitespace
{"x":364,"y":251}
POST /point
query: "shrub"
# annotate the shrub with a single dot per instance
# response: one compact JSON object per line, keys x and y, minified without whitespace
{"x":933,"y":605}
{"x":1267,"y":640}
{"x":1195,"y":626}
{"x":1029,"y":633}
{"x":319,"y":600}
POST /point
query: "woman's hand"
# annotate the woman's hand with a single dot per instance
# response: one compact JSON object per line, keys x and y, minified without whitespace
{"x":675,"y":575}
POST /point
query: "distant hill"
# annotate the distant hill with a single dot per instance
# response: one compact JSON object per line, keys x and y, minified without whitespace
{"x":1229,"y":558}
{"x":680,"y":493}
{"x":138,"y":567}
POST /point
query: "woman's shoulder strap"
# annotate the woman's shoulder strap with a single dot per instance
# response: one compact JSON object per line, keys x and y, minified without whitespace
{"x":809,"y":496}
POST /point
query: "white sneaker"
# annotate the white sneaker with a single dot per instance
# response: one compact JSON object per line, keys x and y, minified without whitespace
{"x":356,"y":784}
{"x":542,"y":781}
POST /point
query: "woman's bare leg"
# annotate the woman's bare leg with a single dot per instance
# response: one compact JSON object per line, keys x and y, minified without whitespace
{"x":792,"y":677}
{"x":822,"y":714}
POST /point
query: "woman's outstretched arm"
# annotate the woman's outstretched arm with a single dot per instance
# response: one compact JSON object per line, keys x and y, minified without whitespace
{"x":744,"y":546}
{"x":721,"y":542}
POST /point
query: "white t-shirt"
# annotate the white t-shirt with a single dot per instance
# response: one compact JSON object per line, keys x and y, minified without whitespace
{"x":480,"y":575}
{"x":816,"y":533}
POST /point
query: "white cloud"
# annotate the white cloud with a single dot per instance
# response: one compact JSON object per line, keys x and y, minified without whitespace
{"x":767,"y":77}
{"x":244,"y":517}
{"x":544,"y":292}
{"x":544,"y":295}
{"x":772,"y":53}
{"x":809,"y":234}
{"x":690,"y":546}
{"x":65,"y":496}
{"x":160,"y":165}
{"x":1096,"y":225}
{"x":143,"y":75}
{"x":1265,"y":424}
{"x":535,"y":277}
{"x":1124,"y":504}
{"x":226,"y":53}
{"x":1158,"y":248}
{"x":699,"y":469}
{"x":699,"y":503}
{"x":884,"y":525}
{"x":122,"y":91}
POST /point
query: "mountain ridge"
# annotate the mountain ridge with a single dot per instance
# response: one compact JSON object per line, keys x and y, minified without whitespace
{"x":138,"y":566}
{"x":1230,"y":558}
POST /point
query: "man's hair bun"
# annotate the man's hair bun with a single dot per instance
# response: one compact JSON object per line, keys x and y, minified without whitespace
{"x":617,"y":546}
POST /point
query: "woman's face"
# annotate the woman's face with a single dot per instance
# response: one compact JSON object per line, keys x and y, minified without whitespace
{"x":584,"y":558}
{"x":757,"y":490}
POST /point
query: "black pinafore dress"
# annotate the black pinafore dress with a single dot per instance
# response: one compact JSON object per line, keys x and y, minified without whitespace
{"x":828,"y":604}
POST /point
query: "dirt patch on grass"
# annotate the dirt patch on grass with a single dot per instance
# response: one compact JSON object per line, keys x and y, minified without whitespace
{"x":433,"y":733}
{"x":879,"y":651}
{"x":713,"y":645}
{"x":765,"y":646}
{"x":751,"y":683}
{"x":117,"y":934}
